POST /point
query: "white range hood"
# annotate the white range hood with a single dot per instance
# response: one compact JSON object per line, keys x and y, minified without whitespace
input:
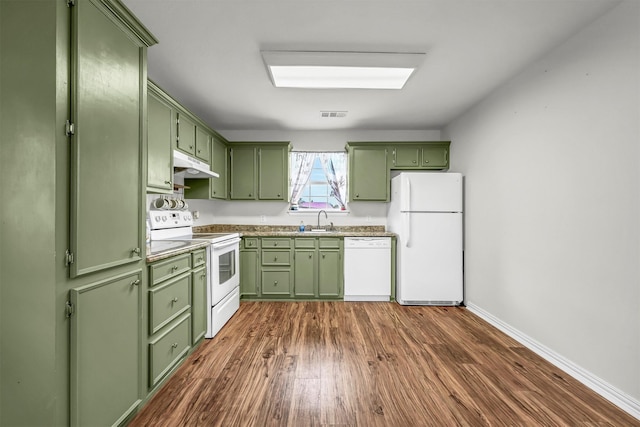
{"x":191,"y":167}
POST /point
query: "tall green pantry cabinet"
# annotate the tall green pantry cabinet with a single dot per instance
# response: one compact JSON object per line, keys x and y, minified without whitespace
{"x":72,"y":114}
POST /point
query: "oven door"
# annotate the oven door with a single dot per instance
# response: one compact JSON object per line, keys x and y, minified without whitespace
{"x":224,"y":274}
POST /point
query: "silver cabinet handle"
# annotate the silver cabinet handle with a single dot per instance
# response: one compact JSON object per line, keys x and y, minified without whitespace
{"x":135,"y":251}
{"x":174,"y":300}
{"x":135,"y":282}
{"x":174,"y":268}
{"x":310,"y":255}
{"x":167,"y":182}
{"x":275,"y":244}
{"x":174,"y":345}
{"x":275,"y":282}
{"x":275,"y":259}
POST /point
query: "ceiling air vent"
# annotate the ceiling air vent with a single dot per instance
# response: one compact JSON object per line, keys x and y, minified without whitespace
{"x":333,"y":114}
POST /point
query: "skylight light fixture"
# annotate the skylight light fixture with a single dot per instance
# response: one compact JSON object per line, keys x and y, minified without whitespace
{"x":340,"y":70}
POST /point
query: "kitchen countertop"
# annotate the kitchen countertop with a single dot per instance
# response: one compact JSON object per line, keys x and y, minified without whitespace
{"x":162,"y":249}
{"x":292,"y":230}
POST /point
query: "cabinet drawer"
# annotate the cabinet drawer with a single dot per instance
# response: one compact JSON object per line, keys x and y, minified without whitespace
{"x":276,"y":243}
{"x":273,"y":257}
{"x":198,"y":257}
{"x":168,"y":301}
{"x":171,"y":267}
{"x":276,"y":282}
{"x":329,"y":243}
{"x":250,"y":243}
{"x":166,"y":350}
{"x":305,"y":242}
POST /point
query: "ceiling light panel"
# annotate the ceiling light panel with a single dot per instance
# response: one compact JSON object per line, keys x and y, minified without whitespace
{"x":340,"y":70}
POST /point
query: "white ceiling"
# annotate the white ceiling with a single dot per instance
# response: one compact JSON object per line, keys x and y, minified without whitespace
{"x":209,"y":59}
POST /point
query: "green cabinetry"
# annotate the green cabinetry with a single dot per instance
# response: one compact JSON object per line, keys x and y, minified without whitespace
{"x":434,"y":155}
{"x":276,"y":277}
{"x":199,"y":305}
{"x":105,"y":350}
{"x":219,"y":164}
{"x":250,"y":267}
{"x":160,"y":136}
{"x":370,"y":164}
{"x":330,"y":268}
{"x":107,"y":90}
{"x":177,"y":307}
{"x":259,"y":171}
{"x":290,"y":268}
{"x":318,"y":267}
{"x":368,"y":173}
{"x":192,"y":138}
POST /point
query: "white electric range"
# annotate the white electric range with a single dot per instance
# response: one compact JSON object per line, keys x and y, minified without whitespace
{"x":223,"y":260}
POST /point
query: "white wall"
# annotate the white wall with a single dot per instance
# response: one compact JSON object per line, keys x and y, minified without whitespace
{"x":245,"y":212}
{"x":551,"y":161}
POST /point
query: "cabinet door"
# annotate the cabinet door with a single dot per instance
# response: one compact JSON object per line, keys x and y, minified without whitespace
{"x":435,"y":157}
{"x":407,"y":156}
{"x":304,"y":268}
{"x":186,"y":134}
{"x":369,"y":174}
{"x":219,"y":165}
{"x":159,"y":151}
{"x":273,"y":173}
{"x":249,"y":273}
{"x":329,"y":274}
{"x":107,"y":89}
{"x":198,"y":304}
{"x":243,"y":173}
{"x":203,"y":145}
{"x":105,"y":350}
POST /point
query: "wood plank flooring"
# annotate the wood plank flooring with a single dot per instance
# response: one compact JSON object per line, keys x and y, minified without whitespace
{"x":369,"y":364}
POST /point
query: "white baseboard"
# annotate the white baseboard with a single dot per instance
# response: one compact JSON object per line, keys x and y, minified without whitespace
{"x":606,"y":390}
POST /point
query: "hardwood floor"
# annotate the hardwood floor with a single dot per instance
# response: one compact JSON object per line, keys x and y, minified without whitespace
{"x":370,"y":364}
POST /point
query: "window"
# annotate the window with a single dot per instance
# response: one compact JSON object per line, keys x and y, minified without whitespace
{"x":318,"y":180}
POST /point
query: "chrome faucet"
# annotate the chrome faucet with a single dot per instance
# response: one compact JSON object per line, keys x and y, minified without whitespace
{"x":325,"y":217}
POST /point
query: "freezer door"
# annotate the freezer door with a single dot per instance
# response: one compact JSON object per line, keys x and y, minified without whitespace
{"x":430,"y":268}
{"x":429,"y":191}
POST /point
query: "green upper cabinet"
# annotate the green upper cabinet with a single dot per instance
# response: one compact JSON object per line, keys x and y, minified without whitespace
{"x":160,"y":119}
{"x":203,"y":145}
{"x":370,"y":164}
{"x":259,"y":171}
{"x":212,"y":188}
{"x":435,"y":156}
{"x":243,"y":173}
{"x":193,"y":139}
{"x":425,"y":155}
{"x":219,"y":165}
{"x":186,"y":134}
{"x":273,"y":173}
{"x":108,"y":94}
{"x":368,"y":173}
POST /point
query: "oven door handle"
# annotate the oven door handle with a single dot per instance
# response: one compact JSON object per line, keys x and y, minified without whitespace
{"x":225,"y":243}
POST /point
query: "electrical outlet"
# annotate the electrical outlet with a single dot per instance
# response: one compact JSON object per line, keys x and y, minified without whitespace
{"x":263,"y":218}
{"x":195,"y":214}
{"x":368,"y":218}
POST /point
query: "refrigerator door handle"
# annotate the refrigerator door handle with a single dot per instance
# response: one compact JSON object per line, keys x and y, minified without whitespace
{"x":405,"y":200}
{"x":406,"y":228}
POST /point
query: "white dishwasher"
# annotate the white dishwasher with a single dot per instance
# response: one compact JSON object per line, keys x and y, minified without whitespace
{"x":367,"y":268}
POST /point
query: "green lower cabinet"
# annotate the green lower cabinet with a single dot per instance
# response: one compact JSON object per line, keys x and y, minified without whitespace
{"x":167,"y":348}
{"x":304,"y":267}
{"x":249,"y":269}
{"x":276,"y":282}
{"x":105,"y":358}
{"x":198,"y":304}
{"x":330,"y":274}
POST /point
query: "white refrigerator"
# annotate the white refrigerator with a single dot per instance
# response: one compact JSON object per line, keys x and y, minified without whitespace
{"x":426,"y":213}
